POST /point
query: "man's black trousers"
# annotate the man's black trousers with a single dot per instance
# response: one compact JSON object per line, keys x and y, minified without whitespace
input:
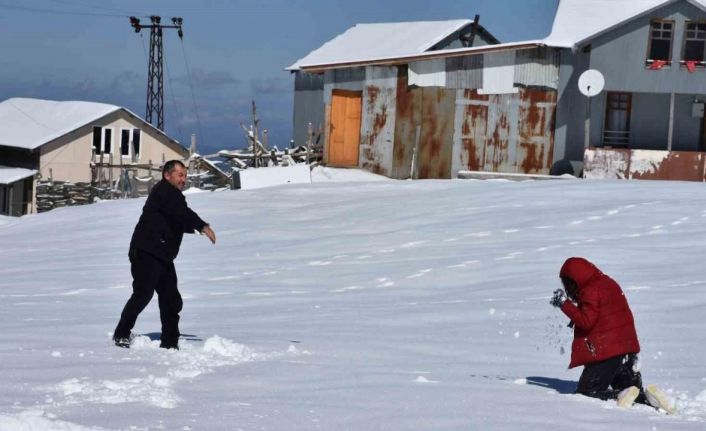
{"x":618,"y":373}
{"x":150,"y":274}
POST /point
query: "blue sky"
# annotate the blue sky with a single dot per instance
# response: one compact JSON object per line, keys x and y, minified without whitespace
{"x":235,"y":50}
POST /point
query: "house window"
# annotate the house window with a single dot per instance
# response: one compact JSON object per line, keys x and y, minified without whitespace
{"x":659,"y":48}
{"x":130,"y":143}
{"x":107,"y":140}
{"x":97,"y":138}
{"x":102,"y":140}
{"x":136,"y":137}
{"x":617,"y":119}
{"x":694,"y":44}
{"x":125,"y":143}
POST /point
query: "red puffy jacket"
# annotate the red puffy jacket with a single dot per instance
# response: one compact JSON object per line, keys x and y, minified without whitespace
{"x":603,"y":323}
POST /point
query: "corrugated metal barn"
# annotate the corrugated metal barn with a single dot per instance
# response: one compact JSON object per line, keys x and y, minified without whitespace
{"x":488,"y":107}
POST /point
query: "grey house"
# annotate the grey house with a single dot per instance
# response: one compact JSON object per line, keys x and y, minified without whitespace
{"x":516,"y":107}
{"x":649,"y":121}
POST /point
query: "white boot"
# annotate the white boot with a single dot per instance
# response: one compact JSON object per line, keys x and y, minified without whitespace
{"x":659,"y":399}
{"x":626,"y":397}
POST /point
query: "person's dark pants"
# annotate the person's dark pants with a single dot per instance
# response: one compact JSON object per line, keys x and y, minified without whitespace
{"x":605,"y":379}
{"x":150,"y":274}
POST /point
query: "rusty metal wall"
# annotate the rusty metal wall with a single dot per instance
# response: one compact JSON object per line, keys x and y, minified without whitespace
{"x":537,"y":67}
{"x":464,"y":72}
{"x":666,"y":165}
{"x":378,"y":122}
{"x":504,"y":132}
{"x":436,"y":132}
{"x":407,"y":118}
{"x":604,"y":163}
{"x":470,"y":127}
{"x":536,"y":137}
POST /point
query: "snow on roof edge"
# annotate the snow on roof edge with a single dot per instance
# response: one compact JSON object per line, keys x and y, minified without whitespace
{"x":437,"y":53}
{"x":10,"y":174}
{"x":460,"y":23}
{"x":102,"y":110}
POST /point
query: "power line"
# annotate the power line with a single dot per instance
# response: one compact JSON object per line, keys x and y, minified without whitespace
{"x":191,"y":85}
{"x":58,"y":12}
{"x":92,"y":6}
{"x":170,"y":90}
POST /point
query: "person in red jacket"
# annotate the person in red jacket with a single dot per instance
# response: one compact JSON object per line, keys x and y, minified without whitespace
{"x":605,"y":340}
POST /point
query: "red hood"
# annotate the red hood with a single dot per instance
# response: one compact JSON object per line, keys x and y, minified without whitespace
{"x":580,"y":270}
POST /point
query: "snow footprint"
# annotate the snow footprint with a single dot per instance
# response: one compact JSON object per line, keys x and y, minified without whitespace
{"x":464,"y":264}
{"x":347,"y":289}
{"x":510,"y":255}
{"x":319,"y":263}
{"x":477,"y":234}
{"x":155,"y":390}
{"x":413,"y":244}
{"x":384,"y":282}
{"x":421,"y":273}
{"x":680,"y":221}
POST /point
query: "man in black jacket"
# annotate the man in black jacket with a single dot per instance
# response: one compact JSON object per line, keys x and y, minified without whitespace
{"x":154,"y":246}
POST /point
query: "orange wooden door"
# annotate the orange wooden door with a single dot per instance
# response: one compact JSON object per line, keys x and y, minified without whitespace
{"x":344,"y":134}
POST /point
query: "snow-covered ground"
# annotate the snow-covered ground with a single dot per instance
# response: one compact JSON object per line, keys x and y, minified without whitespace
{"x":385,"y":305}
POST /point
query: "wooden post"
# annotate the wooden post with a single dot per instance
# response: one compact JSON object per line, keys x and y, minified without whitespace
{"x":110,"y":171}
{"x":149,"y":182}
{"x":123,"y":185}
{"x":309,"y":136}
{"x":414,"y":174}
{"x":100,"y":171}
{"x":256,"y":136}
{"x":670,"y":138}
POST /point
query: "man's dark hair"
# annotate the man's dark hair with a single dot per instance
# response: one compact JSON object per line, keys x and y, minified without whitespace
{"x":169,"y":166}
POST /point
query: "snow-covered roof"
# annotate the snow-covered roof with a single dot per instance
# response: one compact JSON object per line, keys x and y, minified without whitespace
{"x":579,"y":20}
{"x":379,"y":41}
{"x":430,"y":55}
{"x":31,"y":123}
{"x":9,"y":175}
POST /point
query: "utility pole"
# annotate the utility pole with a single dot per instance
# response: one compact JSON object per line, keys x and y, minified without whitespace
{"x":155,"y":76}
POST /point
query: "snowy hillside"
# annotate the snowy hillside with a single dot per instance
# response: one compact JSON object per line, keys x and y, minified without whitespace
{"x":354,"y":306}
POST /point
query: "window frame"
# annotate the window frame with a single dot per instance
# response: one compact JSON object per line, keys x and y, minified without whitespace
{"x":139,"y":133}
{"x":103,"y":140}
{"x":648,"y":60}
{"x":682,"y":62}
{"x":129,"y":143}
{"x":607,"y":116}
{"x":98,"y":150}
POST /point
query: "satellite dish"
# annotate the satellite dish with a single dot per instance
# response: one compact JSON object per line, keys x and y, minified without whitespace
{"x":591,"y":82}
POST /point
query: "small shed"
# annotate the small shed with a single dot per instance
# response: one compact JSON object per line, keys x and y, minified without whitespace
{"x":365,"y":42}
{"x":16,"y":191}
